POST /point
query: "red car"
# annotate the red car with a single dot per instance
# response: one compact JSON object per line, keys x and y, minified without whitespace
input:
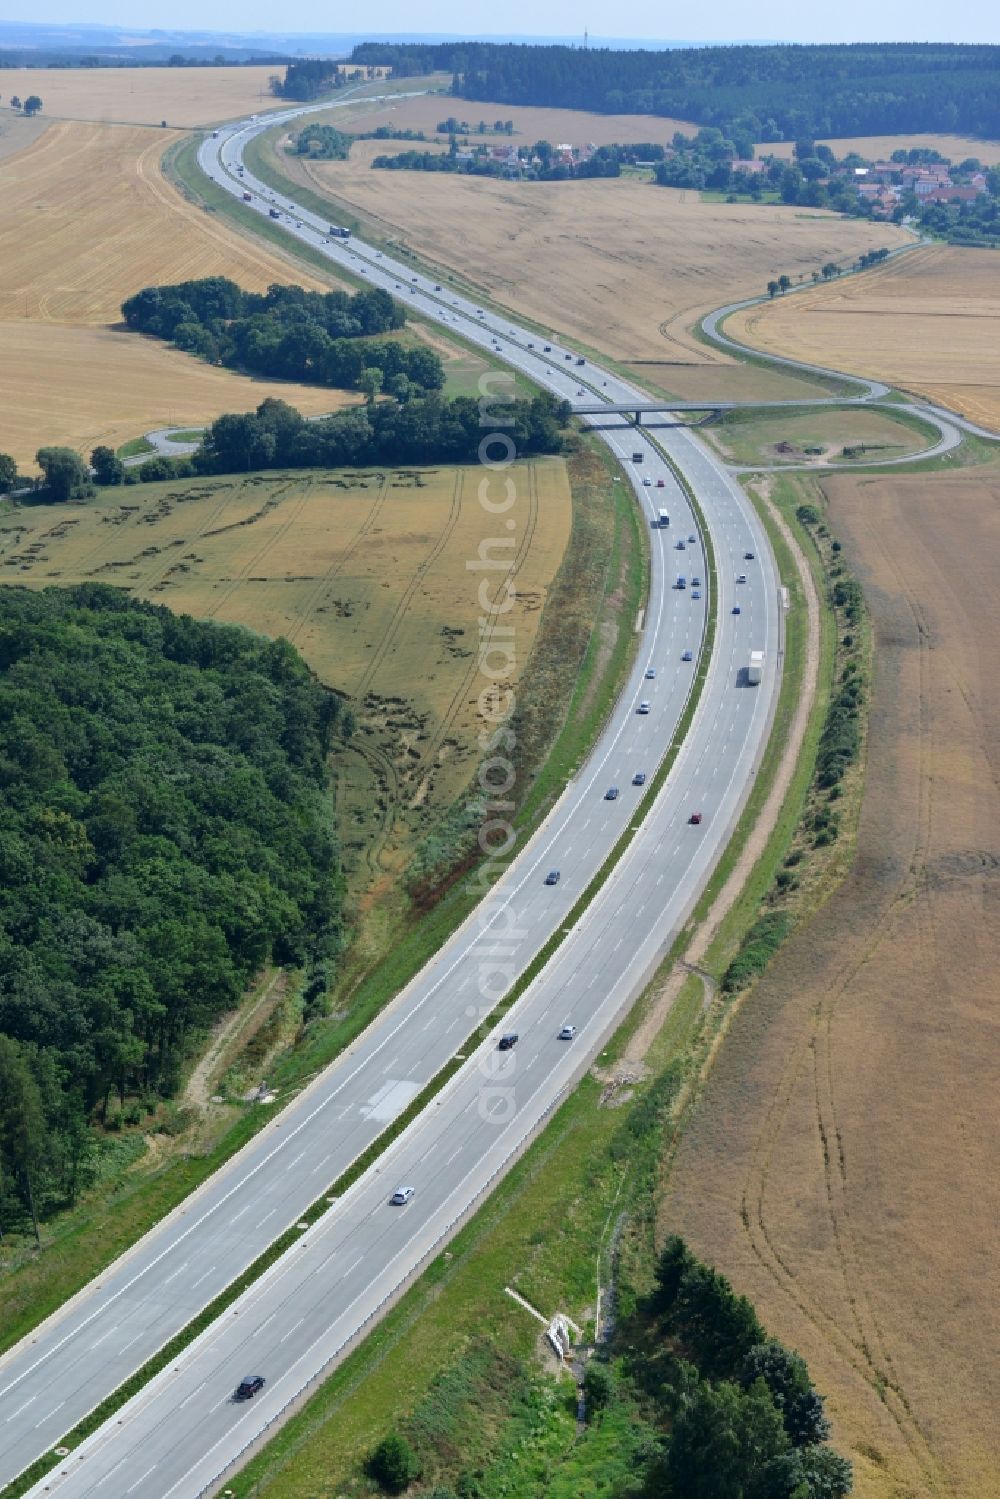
{"x":695,"y":818}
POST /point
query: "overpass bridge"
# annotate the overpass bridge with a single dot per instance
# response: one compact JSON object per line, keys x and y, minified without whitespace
{"x":706,"y":407}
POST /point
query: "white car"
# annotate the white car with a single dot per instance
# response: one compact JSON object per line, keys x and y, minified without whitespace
{"x":647,"y":482}
{"x":567,"y":1033}
{"x":401,"y":1196}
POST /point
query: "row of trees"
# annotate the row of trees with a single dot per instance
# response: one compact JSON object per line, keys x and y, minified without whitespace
{"x":537,"y":162}
{"x":320,"y":338}
{"x":403,"y":429}
{"x":453,"y":126}
{"x":64,"y":475}
{"x":165,"y":830}
{"x":768,"y":92}
{"x":427,"y":429}
{"x":829,"y":271}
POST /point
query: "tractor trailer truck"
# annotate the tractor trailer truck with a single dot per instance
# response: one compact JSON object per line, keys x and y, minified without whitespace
{"x":755,"y":669}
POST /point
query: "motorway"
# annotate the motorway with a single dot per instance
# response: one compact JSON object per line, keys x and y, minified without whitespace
{"x":182,"y":1431}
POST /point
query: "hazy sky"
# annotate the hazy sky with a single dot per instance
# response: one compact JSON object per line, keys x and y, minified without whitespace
{"x":725,"y":20}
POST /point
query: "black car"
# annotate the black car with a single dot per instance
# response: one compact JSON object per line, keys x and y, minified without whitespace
{"x":249,"y":1387}
{"x":508,"y":1042}
{"x":552,"y":878}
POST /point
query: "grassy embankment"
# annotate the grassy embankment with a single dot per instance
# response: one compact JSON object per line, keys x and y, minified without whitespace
{"x":845,"y":434}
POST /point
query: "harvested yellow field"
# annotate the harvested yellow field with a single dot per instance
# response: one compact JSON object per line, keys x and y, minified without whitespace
{"x":621,"y":265}
{"x":530,"y":124}
{"x":89,"y":219}
{"x":146,"y":96}
{"x":82,"y":386}
{"x":880,"y":147}
{"x":365,"y":572}
{"x":928,"y":322}
{"x":16,"y":133}
{"x":841,"y":1164}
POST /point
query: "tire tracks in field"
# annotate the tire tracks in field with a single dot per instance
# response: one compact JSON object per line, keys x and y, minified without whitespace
{"x":307,"y":486}
{"x":485,"y":638}
{"x":308,"y":608}
{"x":863,"y":1346}
{"x":419,"y":573}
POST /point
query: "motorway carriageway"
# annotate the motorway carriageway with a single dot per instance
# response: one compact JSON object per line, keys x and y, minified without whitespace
{"x":182,"y":1431}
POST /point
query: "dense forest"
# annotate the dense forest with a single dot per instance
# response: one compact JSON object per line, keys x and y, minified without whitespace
{"x":319,"y":338}
{"x":772,"y":93}
{"x":165,"y":831}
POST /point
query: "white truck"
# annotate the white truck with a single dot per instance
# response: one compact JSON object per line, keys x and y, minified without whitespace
{"x":662,"y":518}
{"x":755,"y":669}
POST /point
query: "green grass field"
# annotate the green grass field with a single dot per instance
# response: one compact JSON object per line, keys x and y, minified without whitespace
{"x":841,"y":434}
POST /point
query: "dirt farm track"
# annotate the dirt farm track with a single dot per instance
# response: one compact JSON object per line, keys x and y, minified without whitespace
{"x":841,"y":1165}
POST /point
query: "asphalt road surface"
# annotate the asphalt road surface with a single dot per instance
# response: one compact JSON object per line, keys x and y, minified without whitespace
{"x":183,"y":1430}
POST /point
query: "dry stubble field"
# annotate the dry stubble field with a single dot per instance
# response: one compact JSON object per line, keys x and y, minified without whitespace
{"x":145,"y":96}
{"x":841,"y":1166}
{"x":880,"y":147}
{"x":426,"y":112}
{"x":929,"y":322}
{"x":621,"y":265}
{"x":88,"y":220}
{"x":365,"y":572}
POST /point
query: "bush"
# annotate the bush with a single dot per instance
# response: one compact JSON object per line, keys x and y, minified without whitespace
{"x":598,"y":1387}
{"x":393,"y":1464}
{"x":756,"y":950}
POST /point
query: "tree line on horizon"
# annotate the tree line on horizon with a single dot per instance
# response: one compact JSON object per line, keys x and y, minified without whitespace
{"x":770,"y":92}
